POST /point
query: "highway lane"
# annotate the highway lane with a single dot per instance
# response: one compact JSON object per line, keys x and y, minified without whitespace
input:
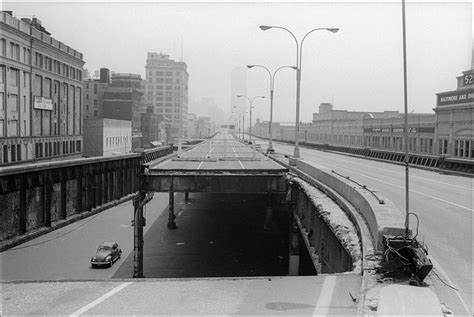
{"x":443,"y":203}
{"x":65,"y":253}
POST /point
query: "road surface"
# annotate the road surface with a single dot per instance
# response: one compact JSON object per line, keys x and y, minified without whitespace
{"x":443,"y":203}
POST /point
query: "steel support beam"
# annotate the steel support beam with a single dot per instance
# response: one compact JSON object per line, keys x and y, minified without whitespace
{"x":138,"y":235}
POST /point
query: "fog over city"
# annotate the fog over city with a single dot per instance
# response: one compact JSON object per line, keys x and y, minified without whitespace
{"x":359,"y":68}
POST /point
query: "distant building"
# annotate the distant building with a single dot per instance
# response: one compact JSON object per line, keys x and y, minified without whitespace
{"x":123,"y":101}
{"x":150,"y":126}
{"x":192,"y":125}
{"x":238,"y":86}
{"x":204,"y":127}
{"x":341,"y":127}
{"x":93,"y":94}
{"x":40,"y":93}
{"x":455,"y":119}
{"x":167,"y":90}
{"x":105,"y":137}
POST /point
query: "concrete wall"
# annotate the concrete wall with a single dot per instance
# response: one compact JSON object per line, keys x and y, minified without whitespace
{"x":381,"y":218}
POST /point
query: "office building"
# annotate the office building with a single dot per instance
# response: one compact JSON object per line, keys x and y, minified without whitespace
{"x":167,"y":90}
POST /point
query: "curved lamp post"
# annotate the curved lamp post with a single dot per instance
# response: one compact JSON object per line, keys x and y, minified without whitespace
{"x":251,"y":107}
{"x":299,"y":47}
{"x":272,"y":86}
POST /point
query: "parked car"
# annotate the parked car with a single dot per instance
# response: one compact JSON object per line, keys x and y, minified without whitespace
{"x":107,"y":253}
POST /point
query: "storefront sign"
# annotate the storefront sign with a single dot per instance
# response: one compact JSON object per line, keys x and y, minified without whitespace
{"x":400,"y":130}
{"x":43,"y":103}
{"x":468,"y":79}
{"x":456,"y":97}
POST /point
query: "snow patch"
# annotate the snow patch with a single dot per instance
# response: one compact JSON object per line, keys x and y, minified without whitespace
{"x":337,"y":220}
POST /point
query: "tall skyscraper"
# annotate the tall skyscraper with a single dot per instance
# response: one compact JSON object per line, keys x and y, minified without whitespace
{"x":238,"y":85}
{"x":167,"y":90}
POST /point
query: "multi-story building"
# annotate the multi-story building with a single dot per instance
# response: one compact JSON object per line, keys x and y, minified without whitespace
{"x":40,"y":93}
{"x":122,"y":100}
{"x":455,"y":119}
{"x":151,"y":129}
{"x":167,"y":90}
{"x":204,"y":127}
{"x":93,"y":92}
{"x":105,"y":137}
{"x":192,"y":125}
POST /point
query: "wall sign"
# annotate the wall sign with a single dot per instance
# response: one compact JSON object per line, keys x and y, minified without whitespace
{"x":455,"y":97}
{"x":43,"y":103}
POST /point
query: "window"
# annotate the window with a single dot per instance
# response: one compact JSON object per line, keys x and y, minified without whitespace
{"x":18,"y":152}
{"x":158,"y":73}
{"x":95,"y":102}
{"x":95,"y":88}
{"x":5,"y":154}
{"x":169,"y":73}
{"x":3,"y":47}
{"x":13,"y":77}
{"x":13,"y":152}
{"x":2,"y":74}
{"x":24,"y":103}
{"x":39,"y":60}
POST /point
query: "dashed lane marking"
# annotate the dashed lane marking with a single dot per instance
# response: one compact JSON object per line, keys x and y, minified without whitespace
{"x":324,"y":300}
{"x":100,"y":299}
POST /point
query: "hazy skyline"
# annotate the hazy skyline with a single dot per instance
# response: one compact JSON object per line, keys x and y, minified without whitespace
{"x":359,"y":68}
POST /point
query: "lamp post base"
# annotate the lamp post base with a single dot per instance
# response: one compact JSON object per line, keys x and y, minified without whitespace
{"x":296,"y":153}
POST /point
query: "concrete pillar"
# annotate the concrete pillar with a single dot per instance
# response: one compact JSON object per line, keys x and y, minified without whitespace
{"x":138,"y":236}
{"x":186,"y":196}
{"x":171,"y":216}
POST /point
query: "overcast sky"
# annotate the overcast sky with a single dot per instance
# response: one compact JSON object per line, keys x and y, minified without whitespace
{"x":360,"y":68}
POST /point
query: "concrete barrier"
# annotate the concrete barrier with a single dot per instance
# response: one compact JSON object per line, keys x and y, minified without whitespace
{"x":382,"y":219}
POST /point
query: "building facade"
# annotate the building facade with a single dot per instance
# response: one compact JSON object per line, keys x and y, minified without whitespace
{"x":122,"y":100}
{"x":167,"y":90}
{"x":40,"y":93}
{"x":93,"y":95}
{"x":151,"y":128}
{"x":455,"y":119}
{"x":105,"y":137}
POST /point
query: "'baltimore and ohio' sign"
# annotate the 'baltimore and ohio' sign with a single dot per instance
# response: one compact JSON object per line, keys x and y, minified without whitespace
{"x":455,"y":97}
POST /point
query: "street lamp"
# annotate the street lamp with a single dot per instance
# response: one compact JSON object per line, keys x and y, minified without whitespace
{"x":242,"y":110}
{"x":299,"y":50}
{"x":251,"y":107}
{"x":272,"y":86}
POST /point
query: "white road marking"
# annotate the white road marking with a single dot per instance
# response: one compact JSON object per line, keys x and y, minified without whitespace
{"x":412,"y":191}
{"x":241,"y":165}
{"x":100,"y":299}
{"x":200,"y":164}
{"x":440,"y":269}
{"x":398,"y":173}
{"x":324,"y":300}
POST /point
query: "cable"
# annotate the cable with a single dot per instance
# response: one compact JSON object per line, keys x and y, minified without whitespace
{"x":454,"y":288}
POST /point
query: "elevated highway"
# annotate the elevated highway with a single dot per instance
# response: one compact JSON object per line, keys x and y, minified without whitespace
{"x":200,"y":172}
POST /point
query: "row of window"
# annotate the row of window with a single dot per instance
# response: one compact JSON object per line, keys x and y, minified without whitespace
{"x":13,"y":153}
{"x":48,"y":149}
{"x":161,"y":73}
{"x":22,"y":54}
{"x":116,"y":140}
